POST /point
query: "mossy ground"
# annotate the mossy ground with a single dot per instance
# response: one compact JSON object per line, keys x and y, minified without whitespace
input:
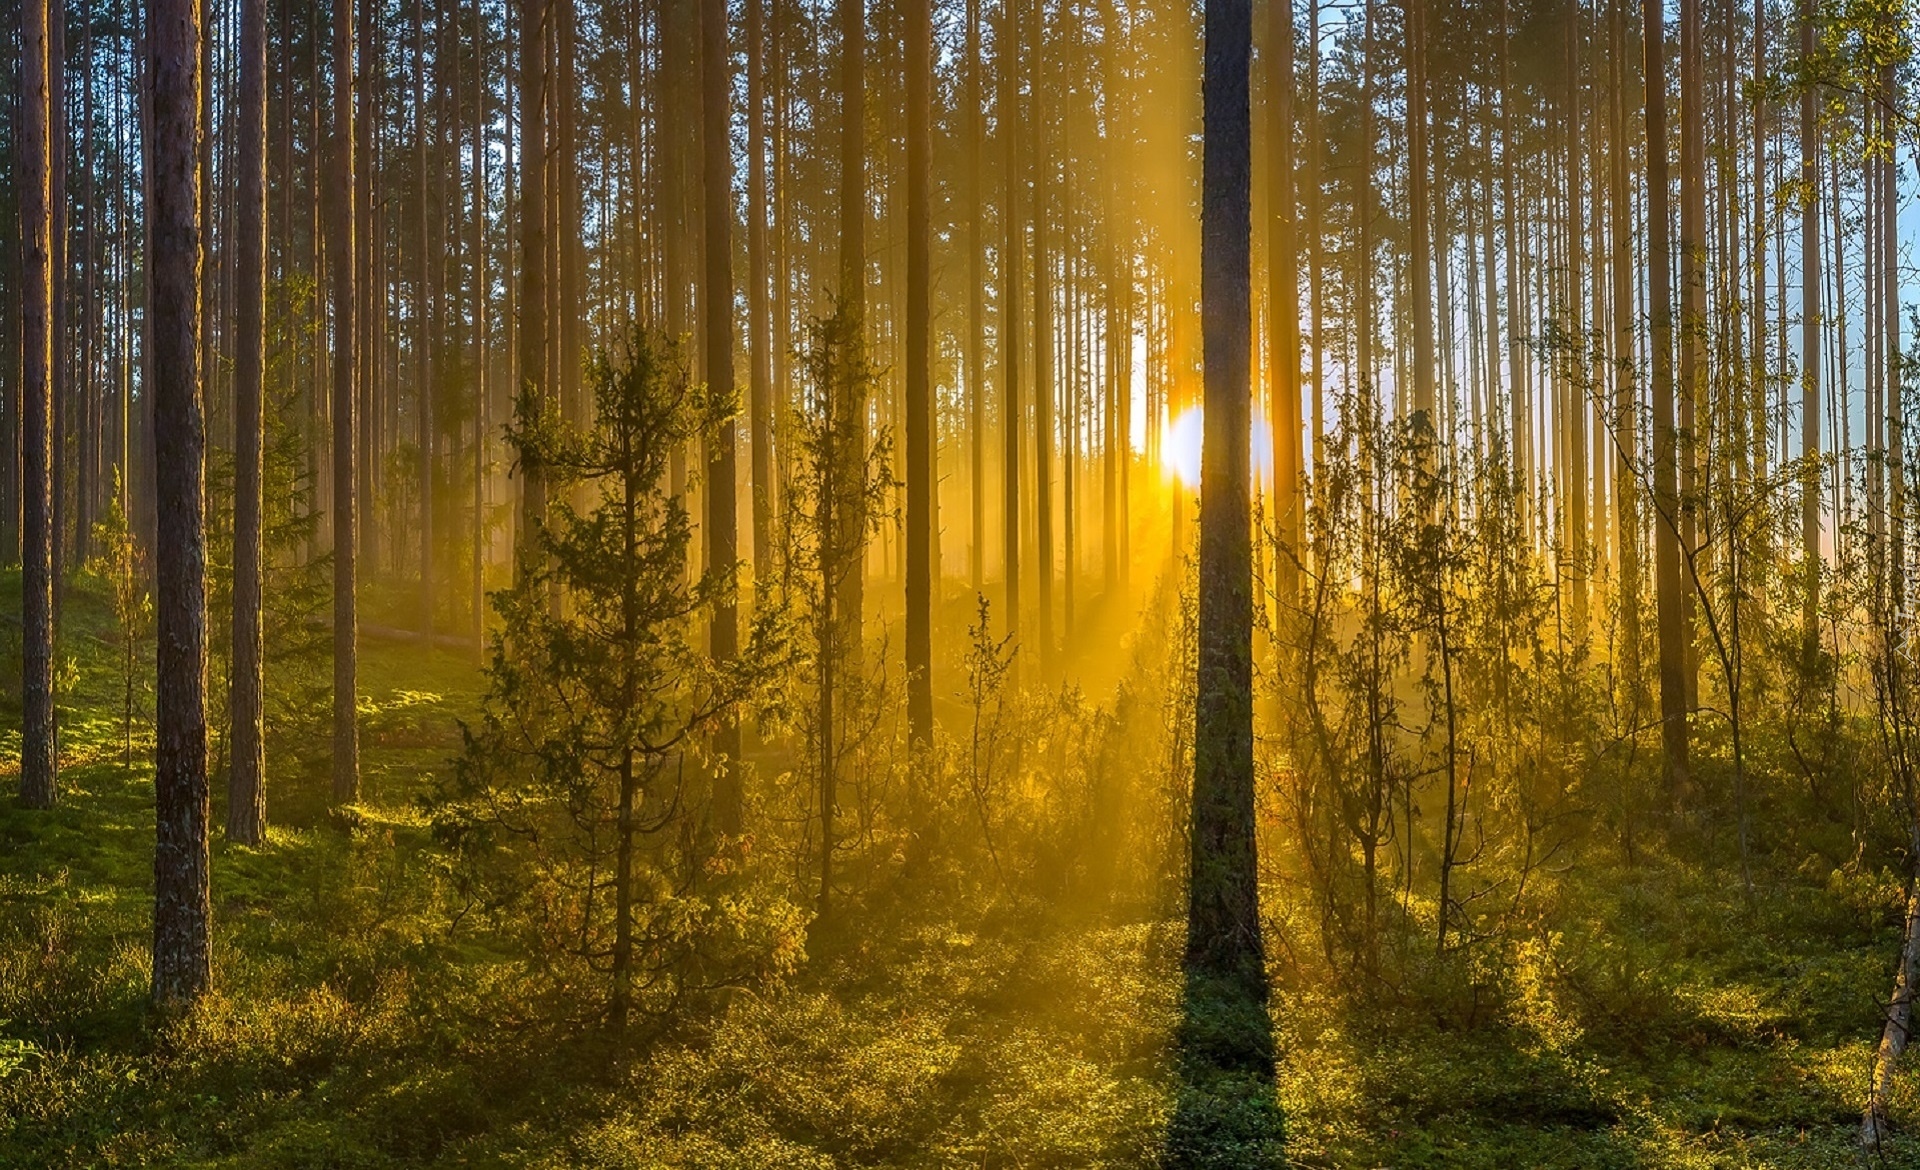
{"x":1657,"y":1021}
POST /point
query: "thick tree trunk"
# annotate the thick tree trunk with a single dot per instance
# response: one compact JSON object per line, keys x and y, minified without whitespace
{"x":39,"y":742}
{"x":722,"y":537}
{"x":182,"y":910}
{"x":246,"y":803}
{"x":919,"y":412}
{"x":1223,"y":921}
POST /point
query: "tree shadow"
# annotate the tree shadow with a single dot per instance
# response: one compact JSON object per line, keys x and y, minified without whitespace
{"x":1226,"y":1114}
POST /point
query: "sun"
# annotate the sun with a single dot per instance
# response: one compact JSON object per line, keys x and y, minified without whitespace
{"x":1180,"y":448}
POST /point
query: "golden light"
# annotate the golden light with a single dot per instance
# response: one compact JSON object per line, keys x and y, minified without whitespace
{"x":1180,"y":447}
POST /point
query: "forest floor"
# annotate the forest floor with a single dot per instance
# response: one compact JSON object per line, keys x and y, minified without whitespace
{"x":1658,"y":1022}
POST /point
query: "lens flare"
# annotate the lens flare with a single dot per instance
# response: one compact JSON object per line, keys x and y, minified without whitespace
{"x":1180,"y":448}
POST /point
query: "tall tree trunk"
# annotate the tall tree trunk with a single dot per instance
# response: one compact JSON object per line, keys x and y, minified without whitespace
{"x":722,"y":538}
{"x":853,"y":296}
{"x":246,"y":803}
{"x":1283,"y":301}
{"x":1626,"y":411}
{"x":976,"y":305}
{"x":345,"y":267}
{"x":1040,"y":163}
{"x":1670,"y":600}
{"x":1224,"y":946}
{"x":532,"y":357}
{"x":1693,"y":313}
{"x":1421,"y":227}
{"x":1810,"y":321}
{"x":182,"y":910}
{"x":760,"y":377}
{"x":482,"y":289}
{"x":1573,"y":420}
{"x":1007,"y":62}
{"x":39,"y":734}
{"x":426,"y":323}
{"x":919,"y":412}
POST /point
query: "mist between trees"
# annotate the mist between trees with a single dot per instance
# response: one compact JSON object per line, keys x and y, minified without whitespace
{"x":673,"y":523}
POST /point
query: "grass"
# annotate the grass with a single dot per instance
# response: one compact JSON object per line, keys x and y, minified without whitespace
{"x":1654,"y":1020}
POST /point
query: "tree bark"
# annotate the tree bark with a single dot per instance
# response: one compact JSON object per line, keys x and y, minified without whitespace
{"x":1283,"y":302}
{"x":1223,"y":916}
{"x":532,"y":392}
{"x":722,"y":537}
{"x":39,"y":734}
{"x":182,"y":910}
{"x":344,"y":266}
{"x":246,"y":803}
{"x":1670,"y":602}
{"x":919,"y":412}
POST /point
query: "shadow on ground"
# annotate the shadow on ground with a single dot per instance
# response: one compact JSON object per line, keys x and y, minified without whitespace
{"x":1227,"y":1113}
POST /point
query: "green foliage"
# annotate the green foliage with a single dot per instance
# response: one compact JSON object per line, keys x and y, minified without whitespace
{"x":577,"y":802}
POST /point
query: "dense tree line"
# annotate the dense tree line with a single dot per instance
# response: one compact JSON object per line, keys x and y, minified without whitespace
{"x":333,"y":289}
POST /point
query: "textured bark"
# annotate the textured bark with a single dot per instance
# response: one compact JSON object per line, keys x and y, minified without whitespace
{"x":246,"y":803}
{"x":1670,"y":602}
{"x":1693,"y":314}
{"x":1007,"y":62}
{"x":182,"y":911}
{"x":532,"y":381}
{"x":919,"y":412}
{"x":343,"y":264}
{"x":1625,"y":399}
{"x":1283,"y":302}
{"x":1421,"y":260}
{"x":1040,"y":164}
{"x":39,"y":749}
{"x":976,"y":305}
{"x":760,"y":376}
{"x":722,"y":523}
{"x":853,"y":299}
{"x":1810,"y":321}
{"x":1223,"y":916}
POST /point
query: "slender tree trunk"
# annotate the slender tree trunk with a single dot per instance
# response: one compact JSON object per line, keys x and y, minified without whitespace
{"x":919,"y":413}
{"x":343,"y":261}
{"x":39,"y":734}
{"x":1007,"y":61}
{"x":182,"y":910}
{"x":976,"y":304}
{"x":853,"y":296}
{"x":1421,"y":227}
{"x":1224,"y":946}
{"x":1693,"y":311}
{"x":1626,"y":409}
{"x":1668,"y":586}
{"x":1810,"y":321}
{"x":1283,"y":302}
{"x":1040,"y":163}
{"x":760,"y":375}
{"x":246,"y":794}
{"x":722,"y":538}
{"x":532,"y":384}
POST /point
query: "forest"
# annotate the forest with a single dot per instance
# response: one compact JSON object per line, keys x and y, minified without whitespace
{"x":935,"y":583}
